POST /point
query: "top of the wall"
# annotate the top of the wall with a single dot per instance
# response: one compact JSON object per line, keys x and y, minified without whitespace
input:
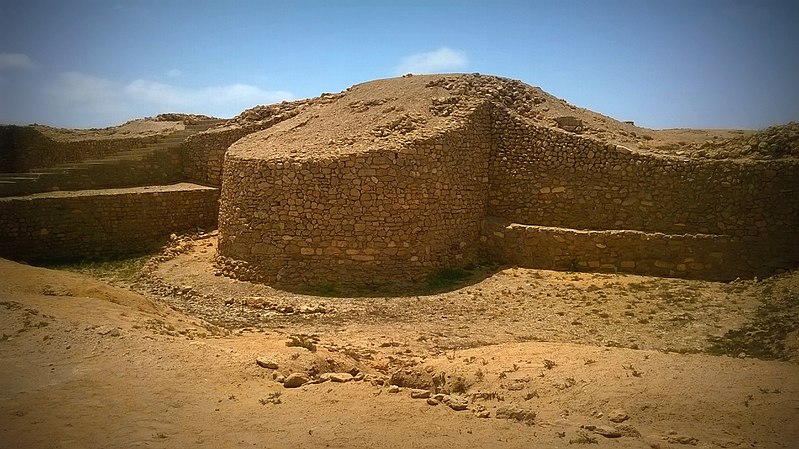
{"x":386,"y":113}
{"x":159,"y":126}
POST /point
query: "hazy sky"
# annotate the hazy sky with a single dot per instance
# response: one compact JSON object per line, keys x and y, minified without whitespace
{"x":663,"y":63}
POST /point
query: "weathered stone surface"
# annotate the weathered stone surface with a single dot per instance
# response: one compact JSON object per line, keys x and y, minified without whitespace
{"x":456,"y":402}
{"x":266,"y":363}
{"x":295,"y":380}
{"x":102,"y":223}
{"x":515,"y":413}
{"x":340,"y":377}
{"x":401,"y":209}
{"x":618,"y":415}
{"x":420,"y":394}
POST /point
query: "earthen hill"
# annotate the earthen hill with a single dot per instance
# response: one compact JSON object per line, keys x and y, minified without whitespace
{"x":395,"y":179}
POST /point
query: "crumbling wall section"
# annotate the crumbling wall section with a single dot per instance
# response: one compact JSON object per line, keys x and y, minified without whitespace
{"x":204,"y":154}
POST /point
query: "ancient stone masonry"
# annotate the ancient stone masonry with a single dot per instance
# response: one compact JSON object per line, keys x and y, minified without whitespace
{"x":204,"y":153}
{"x":443,"y":171}
{"x":26,"y":148}
{"x":394,"y":180}
{"x":386,"y":213}
{"x":101,"y":223}
{"x":553,"y":178}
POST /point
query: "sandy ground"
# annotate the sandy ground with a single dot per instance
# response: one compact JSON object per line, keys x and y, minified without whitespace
{"x":87,"y":362}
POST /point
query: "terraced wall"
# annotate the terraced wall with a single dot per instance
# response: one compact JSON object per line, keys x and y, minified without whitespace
{"x":553,"y":178}
{"x":23,"y":149}
{"x":101,"y":223}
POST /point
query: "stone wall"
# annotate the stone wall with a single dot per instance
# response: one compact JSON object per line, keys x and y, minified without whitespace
{"x":603,"y":207}
{"x":388,"y":214}
{"x":562,"y":201}
{"x":204,"y":154}
{"x":550,"y":177}
{"x":691,"y":256}
{"x":101,"y":223}
{"x":23,"y":148}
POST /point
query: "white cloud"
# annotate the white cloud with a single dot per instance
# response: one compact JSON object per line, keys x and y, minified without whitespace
{"x":231,"y":98}
{"x":174,"y":73}
{"x":442,"y":60}
{"x":15,"y":61}
{"x":78,"y":88}
{"x":102,"y":102}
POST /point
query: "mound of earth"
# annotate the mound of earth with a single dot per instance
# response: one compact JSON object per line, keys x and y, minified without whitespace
{"x":161,"y":125}
{"x":400,"y":108}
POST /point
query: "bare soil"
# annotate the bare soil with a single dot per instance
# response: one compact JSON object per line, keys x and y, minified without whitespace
{"x":133,"y":128}
{"x":161,"y":352}
{"x":390,"y":111}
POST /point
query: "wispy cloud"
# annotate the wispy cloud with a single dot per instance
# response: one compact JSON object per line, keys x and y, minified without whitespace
{"x":9,"y":61}
{"x":86,"y":94}
{"x":174,"y":73}
{"x":232,"y":97}
{"x":99,"y":100}
{"x":442,"y":60}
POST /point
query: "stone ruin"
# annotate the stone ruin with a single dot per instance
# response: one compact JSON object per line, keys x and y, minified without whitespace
{"x":397,"y":179}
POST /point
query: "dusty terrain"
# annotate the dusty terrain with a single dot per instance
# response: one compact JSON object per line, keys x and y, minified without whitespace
{"x":161,"y":125}
{"x":162,"y":352}
{"x":368,"y":114}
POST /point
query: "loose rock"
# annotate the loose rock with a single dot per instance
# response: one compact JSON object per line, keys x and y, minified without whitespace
{"x":266,"y":363}
{"x":618,"y":415}
{"x":607,"y":432}
{"x":340,"y":377}
{"x":456,"y":403}
{"x":296,"y":380}
{"x":515,"y":413}
{"x":420,"y":394}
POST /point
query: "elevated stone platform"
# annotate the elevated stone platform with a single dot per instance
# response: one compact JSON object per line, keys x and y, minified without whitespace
{"x":395,"y":180}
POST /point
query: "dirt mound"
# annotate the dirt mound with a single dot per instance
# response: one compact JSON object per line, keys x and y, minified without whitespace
{"x":396,"y":109}
{"x":134,"y":128}
{"x":771,"y":143}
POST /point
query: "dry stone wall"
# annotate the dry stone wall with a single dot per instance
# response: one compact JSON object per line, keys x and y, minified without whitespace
{"x":554,"y":178}
{"x":23,"y":148}
{"x":101,"y":223}
{"x":501,"y":187}
{"x":204,"y":154}
{"x":487,"y":168}
{"x":692,"y":256}
{"x":391,"y":213}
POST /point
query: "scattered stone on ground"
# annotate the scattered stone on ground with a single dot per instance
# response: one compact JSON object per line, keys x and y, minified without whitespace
{"x":266,"y":363}
{"x":295,"y":380}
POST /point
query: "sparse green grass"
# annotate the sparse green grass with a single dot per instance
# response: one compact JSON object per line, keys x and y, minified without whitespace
{"x":123,"y":269}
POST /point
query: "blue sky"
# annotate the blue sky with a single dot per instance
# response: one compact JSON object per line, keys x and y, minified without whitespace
{"x":662,"y":63}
